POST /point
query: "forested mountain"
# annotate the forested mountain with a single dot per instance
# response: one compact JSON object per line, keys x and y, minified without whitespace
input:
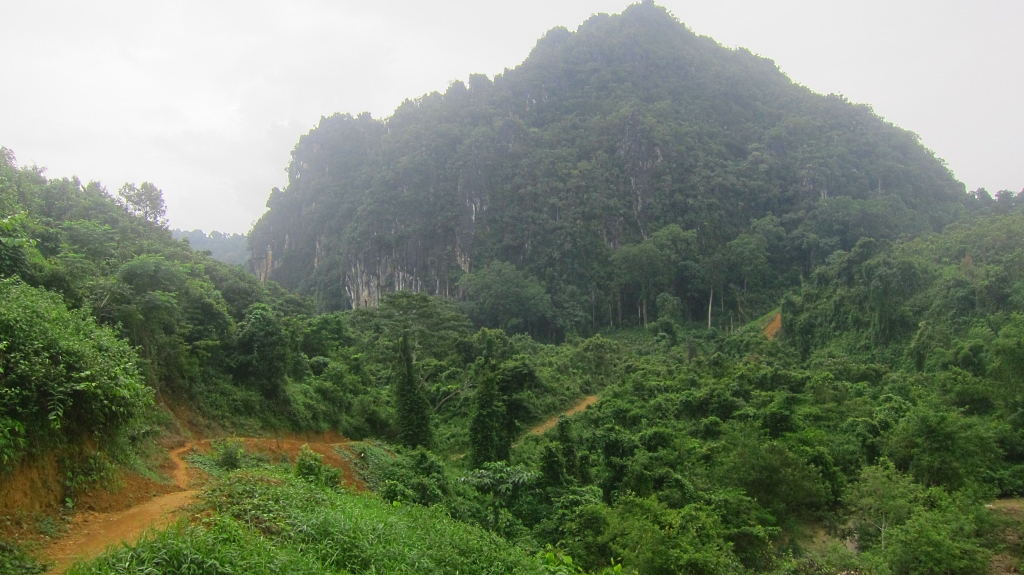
{"x":228,"y":248}
{"x":626,"y":159}
{"x":628,"y":174}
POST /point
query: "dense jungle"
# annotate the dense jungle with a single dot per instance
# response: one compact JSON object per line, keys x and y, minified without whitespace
{"x":639,"y":305}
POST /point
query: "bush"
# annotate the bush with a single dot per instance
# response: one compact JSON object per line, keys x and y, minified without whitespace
{"x":14,"y":561}
{"x":310,"y":466}
{"x":227,"y":454}
{"x":64,"y":376}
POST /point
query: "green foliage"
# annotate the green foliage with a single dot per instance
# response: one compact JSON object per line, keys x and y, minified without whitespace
{"x":12,"y":241}
{"x":263,"y":350}
{"x":310,"y":466}
{"x":944,"y":448}
{"x":501,"y":296}
{"x":488,"y":440}
{"x":228,"y":454}
{"x":418,"y":477}
{"x":14,"y":561}
{"x":654,"y":539}
{"x":938,"y":540}
{"x":61,"y":375}
{"x":275,"y":524}
{"x":413,"y":410}
{"x":881,"y":499}
{"x":503,"y":403}
{"x":145,"y":201}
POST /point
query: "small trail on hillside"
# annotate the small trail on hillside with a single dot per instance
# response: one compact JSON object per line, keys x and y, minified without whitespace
{"x":774,"y":326}
{"x":91,"y":533}
{"x":553,"y":420}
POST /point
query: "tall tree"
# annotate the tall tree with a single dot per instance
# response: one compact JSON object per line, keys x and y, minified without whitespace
{"x":411,"y":401}
{"x":145,"y":201}
{"x":263,"y":349}
{"x":486,"y":430}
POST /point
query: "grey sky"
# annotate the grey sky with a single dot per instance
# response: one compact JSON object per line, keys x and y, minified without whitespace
{"x":206,"y":99}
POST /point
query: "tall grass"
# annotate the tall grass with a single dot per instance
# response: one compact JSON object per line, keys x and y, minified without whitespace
{"x":263,"y":521}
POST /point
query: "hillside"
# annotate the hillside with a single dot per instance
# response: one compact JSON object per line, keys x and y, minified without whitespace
{"x":604,"y":137}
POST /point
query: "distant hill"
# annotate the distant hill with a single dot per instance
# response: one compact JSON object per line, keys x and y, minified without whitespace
{"x":228,"y":248}
{"x":725,"y":181}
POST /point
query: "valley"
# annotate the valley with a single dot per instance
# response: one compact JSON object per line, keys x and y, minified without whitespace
{"x":640,"y":304}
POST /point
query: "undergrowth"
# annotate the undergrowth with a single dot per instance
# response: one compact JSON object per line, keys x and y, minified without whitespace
{"x":227,"y":455}
{"x":14,"y":561}
{"x":270,"y":521}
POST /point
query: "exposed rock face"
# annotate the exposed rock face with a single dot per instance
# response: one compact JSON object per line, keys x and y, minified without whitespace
{"x":600,"y":138}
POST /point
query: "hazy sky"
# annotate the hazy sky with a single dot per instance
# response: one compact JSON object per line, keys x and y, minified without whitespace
{"x":206,"y":99}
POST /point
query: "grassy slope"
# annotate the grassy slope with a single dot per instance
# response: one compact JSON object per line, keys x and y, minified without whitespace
{"x":270,"y":522}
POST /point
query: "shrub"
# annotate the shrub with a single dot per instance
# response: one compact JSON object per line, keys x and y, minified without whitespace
{"x":61,"y":374}
{"x":310,"y":466}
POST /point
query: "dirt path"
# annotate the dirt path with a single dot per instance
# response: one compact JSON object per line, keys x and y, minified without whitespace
{"x":1006,"y":562}
{"x":91,"y":533}
{"x":774,"y":326}
{"x":553,"y":420}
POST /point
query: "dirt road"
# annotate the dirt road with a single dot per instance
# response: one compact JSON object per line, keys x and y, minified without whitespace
{"x":553,"y":420}
{"x":91,"y":533}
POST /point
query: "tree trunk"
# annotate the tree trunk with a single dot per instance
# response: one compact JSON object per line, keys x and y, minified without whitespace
{"x":620,"y":307}
{"x":593,"y":311}
{"x":645,"y":312}
{"x":711,"y":301}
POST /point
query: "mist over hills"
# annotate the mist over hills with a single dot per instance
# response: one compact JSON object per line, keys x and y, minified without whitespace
{"x":228,"y":248}
{"x":725,"y":181}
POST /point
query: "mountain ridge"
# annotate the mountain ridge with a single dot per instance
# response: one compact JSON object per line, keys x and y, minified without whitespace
{"x":599,"y":139}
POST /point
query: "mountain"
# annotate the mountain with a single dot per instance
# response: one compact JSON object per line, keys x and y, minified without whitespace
{"x":228,"y":248}
{"x":729,"y":181}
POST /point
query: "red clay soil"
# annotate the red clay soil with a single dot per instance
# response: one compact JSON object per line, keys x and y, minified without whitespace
{"x":774,"y":327}
{"x":132,"y":489}
{"x":553,"y":420}
{"x":35,"y":485}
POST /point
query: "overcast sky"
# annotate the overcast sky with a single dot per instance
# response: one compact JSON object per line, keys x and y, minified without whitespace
{"x":206,"y":99}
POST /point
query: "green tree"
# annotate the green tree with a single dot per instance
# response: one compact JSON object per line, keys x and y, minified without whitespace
{"x":881,"y":498}
{"x":942,"y":448}
{"x":413,"y":409}
{"x":263,"y":350}
{"x":1008,"y":354}
{"x":145,"y":201}
{"x":487,"y":438}
{"x":641,"y":269}
{"x":13,"y":240}
{"x":937,"y":541}
{"x":431,"y":324}
{"x":501,"y":296}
